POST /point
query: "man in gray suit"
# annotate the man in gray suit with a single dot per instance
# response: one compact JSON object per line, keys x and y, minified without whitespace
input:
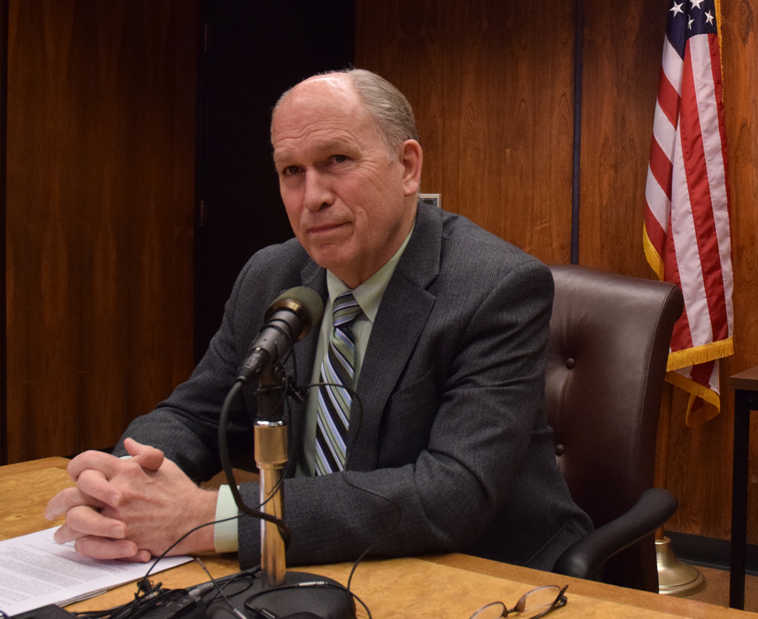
{"x":439,"y":327}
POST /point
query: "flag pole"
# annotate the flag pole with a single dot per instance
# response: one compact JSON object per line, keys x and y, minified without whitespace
{"x":674,"y":576}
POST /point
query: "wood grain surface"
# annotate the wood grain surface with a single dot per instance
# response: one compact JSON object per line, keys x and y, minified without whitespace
{"x":494,"y":109}
{"x":26,"y":487}
{"x":99,"y":217}
{"x":444,"y":586}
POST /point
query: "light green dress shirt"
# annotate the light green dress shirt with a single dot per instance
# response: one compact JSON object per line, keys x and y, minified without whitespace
{"x":368,"y":295}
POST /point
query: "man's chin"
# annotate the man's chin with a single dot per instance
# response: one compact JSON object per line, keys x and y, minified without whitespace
{"x":344,"y":267}
{"x":334,"y":258}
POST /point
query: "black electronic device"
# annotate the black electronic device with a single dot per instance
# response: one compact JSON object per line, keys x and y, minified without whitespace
{"x":300,"y":595}
{"x":50,"y":611}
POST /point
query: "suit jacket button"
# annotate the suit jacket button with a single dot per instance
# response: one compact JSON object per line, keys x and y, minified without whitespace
{"x":570,"y":363}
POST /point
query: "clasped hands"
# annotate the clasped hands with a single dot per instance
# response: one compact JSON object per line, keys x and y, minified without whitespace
{"x":132,"y":508}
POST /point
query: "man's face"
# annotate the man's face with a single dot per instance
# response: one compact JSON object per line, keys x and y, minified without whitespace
{"x":349,"y":200}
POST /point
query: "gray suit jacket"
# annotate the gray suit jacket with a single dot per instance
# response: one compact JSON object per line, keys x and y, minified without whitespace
{"x":451,"y":452}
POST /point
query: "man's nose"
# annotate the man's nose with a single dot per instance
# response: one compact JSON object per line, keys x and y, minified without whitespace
{"x":318,"y":193}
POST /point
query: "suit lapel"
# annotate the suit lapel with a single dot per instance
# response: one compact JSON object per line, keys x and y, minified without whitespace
{"x":401,"y":318}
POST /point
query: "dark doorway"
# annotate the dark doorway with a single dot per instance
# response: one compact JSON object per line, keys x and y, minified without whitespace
{"x":253,"y":51}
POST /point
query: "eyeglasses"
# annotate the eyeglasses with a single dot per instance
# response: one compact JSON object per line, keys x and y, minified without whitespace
{"x":535,"y":603}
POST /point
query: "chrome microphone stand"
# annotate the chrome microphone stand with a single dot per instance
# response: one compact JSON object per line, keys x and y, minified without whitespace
{"x":270,"y":440}
{"x":280,"y":592}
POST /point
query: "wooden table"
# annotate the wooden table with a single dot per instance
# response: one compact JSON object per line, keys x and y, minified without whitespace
{"x":745,"y":385}
{"x":452,"y":585}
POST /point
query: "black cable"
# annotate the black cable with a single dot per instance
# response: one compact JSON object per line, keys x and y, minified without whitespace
{"x":181,"y":539}
{"x":250,"y":575}
{"x":396,"y":526}
{"x":229,"y":472}
{"x":219,"y":590}
{"x":359,"y":410}
{"x":147,"y":598}
{"x":150,"y":596}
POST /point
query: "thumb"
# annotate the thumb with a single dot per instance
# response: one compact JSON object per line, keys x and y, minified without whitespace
{"x":148,"y":457}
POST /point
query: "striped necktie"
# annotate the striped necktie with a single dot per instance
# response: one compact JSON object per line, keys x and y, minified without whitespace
{"x":337,"y":371}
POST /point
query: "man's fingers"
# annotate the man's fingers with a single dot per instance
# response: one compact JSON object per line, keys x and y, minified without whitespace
{"x":142,"y":556}
{"x":61,"y":502}
{"x":147,"y":457}
{"x":99,"y":548}
{"x":64,"y":534}
{"x":84,"y":521}
{"x":102,"y":548}
{"x":93,"y":483}
{"x":98,"y":460}
{"x":67,"y":499}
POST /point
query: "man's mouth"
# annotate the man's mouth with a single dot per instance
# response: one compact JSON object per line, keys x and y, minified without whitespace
{"x":325,"y":229}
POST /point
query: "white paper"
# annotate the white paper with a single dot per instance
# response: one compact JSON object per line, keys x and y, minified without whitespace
{"x":35,"y":571}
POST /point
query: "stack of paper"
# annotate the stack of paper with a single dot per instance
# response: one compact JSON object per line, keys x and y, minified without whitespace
{"x":35,"y":571}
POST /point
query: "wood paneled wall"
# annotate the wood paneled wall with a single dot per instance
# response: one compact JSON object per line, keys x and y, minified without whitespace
{"x":621,"y":69}
{"x":492,"y":84}
{"x":740,"y":41}
{"x":99,"y":216}
{"x":494,"y":109}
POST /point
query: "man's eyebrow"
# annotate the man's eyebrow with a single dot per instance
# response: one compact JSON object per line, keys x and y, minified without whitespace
{"x":333,"y":144}
{"x":329,"y":146}
{"x":279,"y":156}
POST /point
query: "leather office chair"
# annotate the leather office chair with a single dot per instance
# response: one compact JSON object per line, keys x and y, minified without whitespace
{"x":609,"y":340}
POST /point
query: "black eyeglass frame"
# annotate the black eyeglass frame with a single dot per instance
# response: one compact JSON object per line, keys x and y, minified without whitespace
{"x":559,"y":602}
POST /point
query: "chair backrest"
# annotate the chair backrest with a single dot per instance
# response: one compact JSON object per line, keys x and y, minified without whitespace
{"x":609,"y":341}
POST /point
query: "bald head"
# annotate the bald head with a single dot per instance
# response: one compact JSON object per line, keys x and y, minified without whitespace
{"x":386,"y":105}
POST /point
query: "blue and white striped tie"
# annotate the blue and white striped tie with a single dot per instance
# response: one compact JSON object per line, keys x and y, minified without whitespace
{"x":334,"y":400}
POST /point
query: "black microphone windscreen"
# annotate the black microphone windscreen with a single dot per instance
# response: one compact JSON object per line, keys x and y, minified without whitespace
{"x":309,"y":301}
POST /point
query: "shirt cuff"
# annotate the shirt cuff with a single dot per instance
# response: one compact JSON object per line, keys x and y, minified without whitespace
{"x":225,"y":536}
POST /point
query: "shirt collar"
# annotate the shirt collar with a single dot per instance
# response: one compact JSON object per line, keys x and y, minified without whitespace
{"x":369,"y":294}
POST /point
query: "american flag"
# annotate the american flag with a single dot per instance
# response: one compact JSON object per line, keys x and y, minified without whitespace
{"x":686,"y":229}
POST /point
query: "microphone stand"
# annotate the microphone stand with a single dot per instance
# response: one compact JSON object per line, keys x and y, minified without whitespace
{"x":270,"y":440}
{"x":281,"y":593}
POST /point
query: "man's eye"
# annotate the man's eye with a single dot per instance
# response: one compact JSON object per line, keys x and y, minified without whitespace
{"x":339,"y":158}
{"x":290,"y":170}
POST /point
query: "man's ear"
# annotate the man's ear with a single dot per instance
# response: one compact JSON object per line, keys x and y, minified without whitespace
{"x":412,"y":157}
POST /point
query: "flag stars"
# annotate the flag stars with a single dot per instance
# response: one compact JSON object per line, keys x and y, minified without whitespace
{"x":677,"y":8}
{"x":690,"y":21}
{"x":709,"y":17}
{"x":695,"y":4}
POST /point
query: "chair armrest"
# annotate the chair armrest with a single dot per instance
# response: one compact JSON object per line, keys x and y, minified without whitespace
{"x":586,"y":558}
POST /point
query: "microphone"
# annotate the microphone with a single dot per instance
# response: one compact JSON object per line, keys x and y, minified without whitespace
{"x":289,"y":318}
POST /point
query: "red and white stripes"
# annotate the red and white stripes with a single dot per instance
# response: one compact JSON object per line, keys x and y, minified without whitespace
{"x":686,"y":230}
